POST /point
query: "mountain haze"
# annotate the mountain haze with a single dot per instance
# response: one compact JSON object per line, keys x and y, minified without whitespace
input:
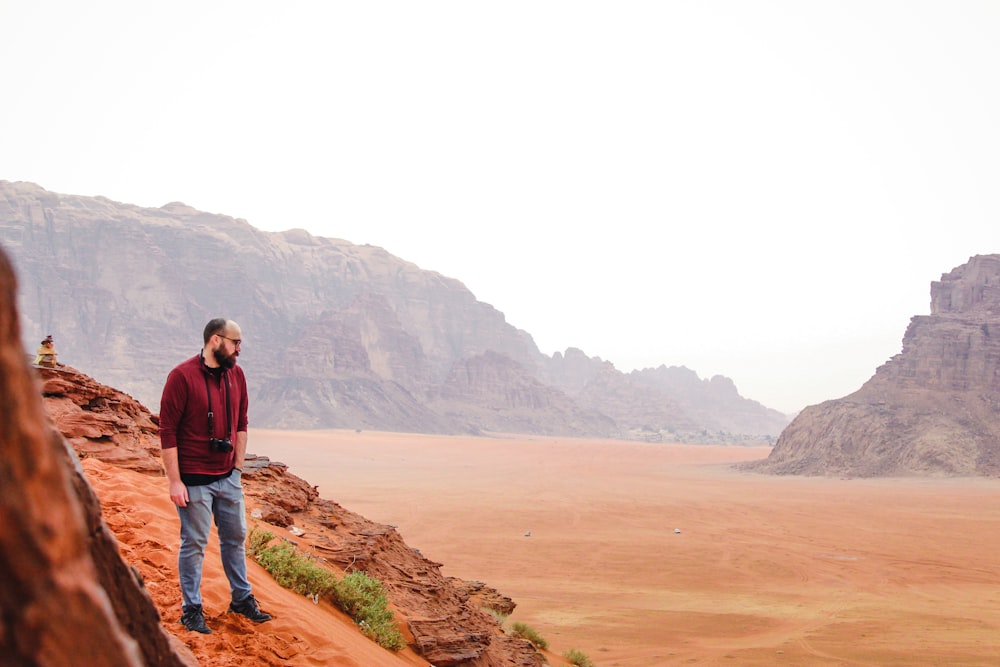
{"x":338,"y":335}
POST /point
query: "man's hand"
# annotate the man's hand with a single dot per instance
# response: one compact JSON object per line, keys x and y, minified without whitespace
{"x":179,"y":493}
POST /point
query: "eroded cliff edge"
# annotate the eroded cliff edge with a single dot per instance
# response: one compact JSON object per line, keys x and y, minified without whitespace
{"x":932,"y":409}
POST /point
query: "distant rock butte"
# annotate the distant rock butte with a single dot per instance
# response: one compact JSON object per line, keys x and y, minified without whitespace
{"x":933,"y":409}
{"x":338,"y":335}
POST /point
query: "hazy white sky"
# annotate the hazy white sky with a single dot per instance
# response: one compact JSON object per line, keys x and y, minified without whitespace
{"x":762,"y":190}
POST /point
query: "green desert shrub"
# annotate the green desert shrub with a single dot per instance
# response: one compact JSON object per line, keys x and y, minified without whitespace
{"x":363,"y":598}
{"x":358,"y":594}
{"x":289,"y":567}
{"x":257,"y":540}
{"x":579,"y":658}
{"x":525,"y":631}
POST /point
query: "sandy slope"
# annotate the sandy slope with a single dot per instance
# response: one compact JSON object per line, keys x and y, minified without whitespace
{"x":139,"y":511}
{"x":765,"y":570}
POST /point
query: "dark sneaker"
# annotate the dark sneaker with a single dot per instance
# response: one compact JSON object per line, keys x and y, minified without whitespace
{"x":194,"y":620}
{"x":249,"y":609}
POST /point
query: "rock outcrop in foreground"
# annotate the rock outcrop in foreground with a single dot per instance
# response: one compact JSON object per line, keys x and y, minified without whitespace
{"x":933,"y":409}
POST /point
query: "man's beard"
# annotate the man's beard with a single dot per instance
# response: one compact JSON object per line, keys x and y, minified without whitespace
{"x":225,"y":360}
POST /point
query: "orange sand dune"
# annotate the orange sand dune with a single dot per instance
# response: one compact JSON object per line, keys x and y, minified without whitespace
{"x":139,"y":511}
{"x":764,"y":571}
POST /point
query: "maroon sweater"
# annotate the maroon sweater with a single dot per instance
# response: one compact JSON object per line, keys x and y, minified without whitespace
{"x":184,"y":415}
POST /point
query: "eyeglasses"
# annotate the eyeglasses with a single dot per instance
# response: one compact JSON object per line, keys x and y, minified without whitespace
{"x":236,"y":341}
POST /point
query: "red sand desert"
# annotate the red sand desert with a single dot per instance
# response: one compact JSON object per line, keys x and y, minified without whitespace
{"x":764,"y":571}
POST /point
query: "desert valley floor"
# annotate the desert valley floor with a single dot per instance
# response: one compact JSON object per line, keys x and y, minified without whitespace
{"x":763,"y":571}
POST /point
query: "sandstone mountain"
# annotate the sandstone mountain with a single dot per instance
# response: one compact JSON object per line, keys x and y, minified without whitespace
{"x":932,"y":409}
{"x":338,"y":335}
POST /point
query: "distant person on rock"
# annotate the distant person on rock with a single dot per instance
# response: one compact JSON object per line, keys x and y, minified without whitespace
{"x":203,"y":436}
{"x":46,"y":355}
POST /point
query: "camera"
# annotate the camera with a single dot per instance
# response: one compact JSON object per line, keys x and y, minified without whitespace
{"x":220,"y":445}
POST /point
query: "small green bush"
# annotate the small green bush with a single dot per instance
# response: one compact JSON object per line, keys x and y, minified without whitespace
{"x":290,"y":568}
{"x":578,"y":658}
{"x":363,"y":598}
{"x":525,"y":631}
{"x":358,"y":594}
{"x":257,"y":540}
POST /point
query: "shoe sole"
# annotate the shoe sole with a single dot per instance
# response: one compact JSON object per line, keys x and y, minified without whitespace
{"x":206,"y":631}
{"x":240,"y":613}
{"x":263,"y":620}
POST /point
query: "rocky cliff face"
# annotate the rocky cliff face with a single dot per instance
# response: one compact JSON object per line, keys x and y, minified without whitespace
{"x":932,"y":409}
{"x":338,"y":335}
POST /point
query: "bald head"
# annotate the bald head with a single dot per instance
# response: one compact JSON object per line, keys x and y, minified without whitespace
{"x":222,"y":343}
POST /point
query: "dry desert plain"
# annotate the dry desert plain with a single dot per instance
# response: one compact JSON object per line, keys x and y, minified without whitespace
{"x":764,"y":571}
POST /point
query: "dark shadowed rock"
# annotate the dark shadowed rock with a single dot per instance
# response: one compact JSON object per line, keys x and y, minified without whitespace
{"x":933,"y":409}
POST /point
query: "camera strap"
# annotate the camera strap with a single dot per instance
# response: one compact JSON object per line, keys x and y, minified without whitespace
{"x":211,"y":415}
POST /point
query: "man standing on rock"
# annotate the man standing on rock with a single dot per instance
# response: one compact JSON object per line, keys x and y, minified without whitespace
{"x":203,"y":436}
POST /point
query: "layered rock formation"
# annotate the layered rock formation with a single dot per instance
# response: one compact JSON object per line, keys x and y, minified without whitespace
{"x":932,"y":409}
{"x":338,"y":335}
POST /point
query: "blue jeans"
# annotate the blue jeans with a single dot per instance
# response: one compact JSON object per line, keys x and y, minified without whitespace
{"x":224,"y":499}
